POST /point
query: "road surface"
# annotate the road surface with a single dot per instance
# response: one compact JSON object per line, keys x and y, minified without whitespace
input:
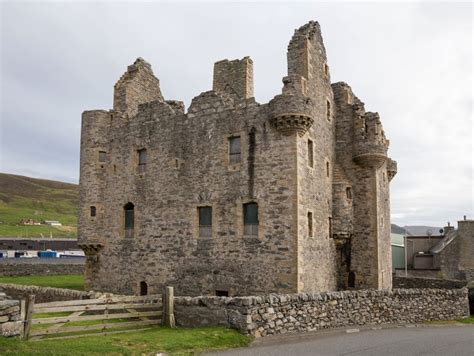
{"x":436,"y":340}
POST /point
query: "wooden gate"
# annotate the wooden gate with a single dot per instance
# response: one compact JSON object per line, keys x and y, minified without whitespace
{"x":108,"y":314}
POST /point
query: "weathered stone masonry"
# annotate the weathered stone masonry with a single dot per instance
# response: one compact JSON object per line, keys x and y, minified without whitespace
{"x":312,"y":159}
{"x":279,"y":314}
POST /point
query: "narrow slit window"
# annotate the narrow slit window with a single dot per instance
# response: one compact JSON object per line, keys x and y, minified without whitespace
{"x":328,"y":110}
{"x":142,"y":158}
{"x":251,"y":219}
{"x":330,"y":227}
{"x":102,"y":156}
{"x":93,"y":211}
{"x":327,"y":169}
{"x":310,"y":224}
{"x":310,"y":154}
{"x":205,"y":221}
{"x":129,"y":214}
{"x":349,"y":193}
{"x":234,"y":150}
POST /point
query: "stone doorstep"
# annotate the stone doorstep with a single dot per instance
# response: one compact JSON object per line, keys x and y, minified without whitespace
{"x":275,"y":339}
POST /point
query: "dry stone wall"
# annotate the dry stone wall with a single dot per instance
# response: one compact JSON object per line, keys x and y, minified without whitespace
{"x":278,"y":314}
{"x":10,"y":319}
{"x":41,"y":267}
{"x":43,"y":294}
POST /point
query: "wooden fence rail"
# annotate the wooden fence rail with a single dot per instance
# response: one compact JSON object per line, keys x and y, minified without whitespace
{"x":96,"y":316}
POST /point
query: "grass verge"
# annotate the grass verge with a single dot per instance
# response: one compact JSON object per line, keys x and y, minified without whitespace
{"x":68,"y":281}
{"x":179,"y":341}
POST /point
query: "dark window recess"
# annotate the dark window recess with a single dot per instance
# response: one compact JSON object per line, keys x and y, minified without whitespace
{"x":251,"y":219}
{"x":93,"y":211}
{"x":351,"y":280}
{"x":143,"y":288}
{"x":222,"y":293}
{"x":205,"y":221}
{"x":310,"y":154}
{"x":330,"y":227}
{"x":129,"y":211}
{"x":102,"y":156}
{"x":310,"y":224}
{"x":234,"y":149}
{"x":327,"y":169}
{"x":142,"y":158}
{"x":349,"y":193}
{"x":328,"y":110}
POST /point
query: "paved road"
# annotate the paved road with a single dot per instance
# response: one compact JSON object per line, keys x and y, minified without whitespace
{"x":442,"y":341}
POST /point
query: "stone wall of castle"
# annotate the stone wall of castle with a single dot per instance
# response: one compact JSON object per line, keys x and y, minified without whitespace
{"x":188,"y":167}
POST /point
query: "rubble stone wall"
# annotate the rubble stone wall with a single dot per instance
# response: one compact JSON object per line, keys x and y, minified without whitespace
{"x":10,"y":324}
{"x":278,"y":314}
{"x":43,"y":294}
{"x":41,"y":267}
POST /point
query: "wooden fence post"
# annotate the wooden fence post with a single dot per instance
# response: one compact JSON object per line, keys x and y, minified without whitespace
{"x":168,"y":306}
{"x":30,"y":302}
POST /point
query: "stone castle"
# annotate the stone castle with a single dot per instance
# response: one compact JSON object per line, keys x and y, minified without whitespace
{"x":234,"y":197}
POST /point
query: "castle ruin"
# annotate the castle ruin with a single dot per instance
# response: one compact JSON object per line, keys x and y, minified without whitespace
{"x":234,"y":197}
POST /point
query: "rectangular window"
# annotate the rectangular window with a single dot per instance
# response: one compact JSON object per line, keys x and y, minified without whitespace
{"x":328,"y":110}
{"x":234,"y":150}
{"x":222,"y":293}
{"x":251,"y":219}
{"x":205,"y":221}
{"x":310,"y":224}
{"x":310,"y":154}
{"x":93,"y":211}
{"x":142,"y":157}
{"x":102,"y":156}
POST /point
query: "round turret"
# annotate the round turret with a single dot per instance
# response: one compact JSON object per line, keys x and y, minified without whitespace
{"x":291,"y":113}
{"x":370,"y":144}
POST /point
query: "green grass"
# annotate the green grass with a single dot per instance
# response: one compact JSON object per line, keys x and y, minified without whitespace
{"x":68,"y":281}
{"x":179,"y":341}
{"x":469,"y":320}
{"x":29,"y":198}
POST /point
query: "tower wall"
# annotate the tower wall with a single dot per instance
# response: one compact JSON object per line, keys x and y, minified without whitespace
{"x":361,"y":153}
{"x":308,"y":78}
{"x":137,"y":85}
{"x":235,"y":78}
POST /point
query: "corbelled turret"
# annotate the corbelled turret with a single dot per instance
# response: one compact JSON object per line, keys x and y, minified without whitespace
{"x":370,"y":144}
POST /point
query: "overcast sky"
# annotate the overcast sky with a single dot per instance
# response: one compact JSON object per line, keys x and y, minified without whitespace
{"x":411,"y":62}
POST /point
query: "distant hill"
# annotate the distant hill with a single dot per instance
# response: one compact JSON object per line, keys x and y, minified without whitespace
{"x":395,"y":229}
{"x":415,"y":230}
{"x":37,"y":199}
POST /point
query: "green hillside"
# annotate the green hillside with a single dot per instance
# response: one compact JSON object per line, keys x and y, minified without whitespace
{"x":37,"y":199}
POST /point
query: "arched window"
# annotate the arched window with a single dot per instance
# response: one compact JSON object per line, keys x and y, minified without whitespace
{"x":129,"y":213}
{"x":143,"y":288}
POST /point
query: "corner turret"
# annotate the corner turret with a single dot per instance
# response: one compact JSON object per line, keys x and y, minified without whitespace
{"x":370,"y":144}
